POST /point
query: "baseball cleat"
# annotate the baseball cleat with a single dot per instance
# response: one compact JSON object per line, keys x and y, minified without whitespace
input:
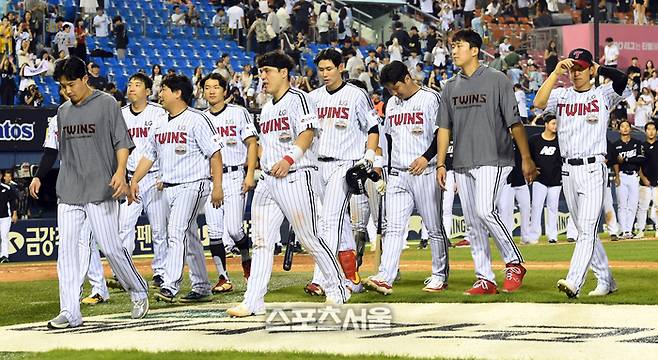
{"x":195,"y":297}
{"x":59,"y":322}
{"x":157,"y":282}
{"x":93,"y":299}
{"x":140,"y":308}
{"x":571,"y":240}
{"x":423,"y":244}
{"x":113,"y":283}
{"x":164,"y":295}
{"x":603,"y":290}
{"x":4,"y":259}
{"x":614,"y":237}
{"x":639,"y":235}
{"x":552,"y":241}
{"x":277,"y":249}
{"x":567,"y":288}
{"x":627,"y":235}
{"x":355,"y":288}
{"x":462,"y":243}
{"x":482,"y":287}
{"x":313,"y":289}
{"x":514,"y":274}
{"x":243,"y":311}
{"x":379,"y":285}
{"x":434,"y":284}
{"x":222,"y":286}
{"x":246,"y":269}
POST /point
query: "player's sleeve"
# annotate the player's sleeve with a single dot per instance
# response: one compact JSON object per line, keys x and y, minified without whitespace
{"x":148,"y":149}
{"x":248,"y":129}
{"x":507,"y":101}
{"x":611,"y":97}
{"x":119,"y":130}
{"x":304,"y":114}
{"x":436,"y":107}
{"x":365,"y":111}
{"x":207,"y":137}
{"x":444,"y":116}
{"x":551,"y":105}
{"x":51,"y":141}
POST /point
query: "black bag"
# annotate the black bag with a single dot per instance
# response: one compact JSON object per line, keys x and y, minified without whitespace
{"x":101,"y":53}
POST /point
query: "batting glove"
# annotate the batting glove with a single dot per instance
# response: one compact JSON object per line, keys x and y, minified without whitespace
{"x":380,"y":186}
{"x":367,"y":160}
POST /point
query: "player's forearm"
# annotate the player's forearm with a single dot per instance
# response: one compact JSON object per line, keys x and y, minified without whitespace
{"x":541,"y":99}
{"x":252,"y":155}
{"x":216,"y":168}
{"x":142,"y":169}
{"x":305,"y":139}
{"x":615,"y":167}
{"x":521,"y":139}
{"x":373,"y":141}
{"x":122,"y":160}
{"x":443,"y":140}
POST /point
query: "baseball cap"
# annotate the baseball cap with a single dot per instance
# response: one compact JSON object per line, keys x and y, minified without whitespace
{"x":581,"y":57}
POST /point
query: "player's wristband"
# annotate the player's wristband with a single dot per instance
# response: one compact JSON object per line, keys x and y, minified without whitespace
{"x":293,"y":155}
{"x":379,"y":162}
{"x":441,"y":166}
{"x":370,"y":155}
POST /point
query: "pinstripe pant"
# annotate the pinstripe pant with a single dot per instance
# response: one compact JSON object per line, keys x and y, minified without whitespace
{"x":230,"y":215}
{"x":103,"y":219}
{"x":403,"y":192}
{"x":506,"y":208}
{"x":183,"y":240}
{"x":363,"y":206}
{"x":293,"y":197}
{"x":90,"y":263}
{"x":479,"y":193}
{"x":448,"y":202}
{"x":647,"y":195}
{"x":5,"y":226}
{"x":609,"y":214}
{"x":583,"y":189}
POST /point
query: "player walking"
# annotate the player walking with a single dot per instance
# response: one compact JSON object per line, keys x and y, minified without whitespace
{"x":516,"y":189}
{"x":629,"y":154}
{"x":409,"y":115}
{"x":478,"y":106}
{"x":182,"y":144}
{"x":236,"y":129}
{"x":94,"y":145}
{"x":287,"y":125}
{"x":545,"y":152}
{"x":582,"y":121}
{"x":649,"y":181}
{"x":347,"y":121}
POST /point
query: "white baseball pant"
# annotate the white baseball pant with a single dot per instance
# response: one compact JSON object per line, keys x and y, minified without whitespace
{"x":366,"y":206}
{"x":648,"y":194}
{"x":294,"y":198}
{"x":506,"y":209}
{"x":628,"y":195}
{"x":403,"y":191}
{"x":609,"y":214}
{"x":154,"y":204}
{"x":448,"y":202}
{"x":5,"y":226}
{"x":551,"y":196}
{"x":90,"y":263}
{"x":184,"y":202}
{"x":479,"y":192}
{"x":103,"y":219}
{"x":583,"y":189}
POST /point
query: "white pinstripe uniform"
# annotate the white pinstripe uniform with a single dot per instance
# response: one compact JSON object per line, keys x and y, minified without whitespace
{"x":410,"y":122}
{"x":449,"y":193}
{"x":235,"y":125}
{"x":292,"y":197}
{"x":346,"y":114}
{"x":90,"y":138}
{"x":183,"y":145}
{"x":88,"y":249}
{"x":582,"y":122}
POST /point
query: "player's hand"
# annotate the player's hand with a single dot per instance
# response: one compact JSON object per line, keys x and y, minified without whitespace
{"x":159,"y":185}
{"x":620,"y":159}
{"x":617,"y":180}
{"x":645,"y":181}
{"x":529,"y":170}
{"x":365,"y":163}
{"x":378,"y":170}
{"x":441,"y":177}
{"x":380,"y":186}
{"x":258,"y":175}
{"x":217,"y":197}
{"x":118,"y":184}
{"x":280,"y":169}
{"x":248,"y":184}
{"x":418,"y":166}
{"x":35,"y":185}
{"x":133,"y":193}
{"x":563,"y":67}
{"x":14,"y":218}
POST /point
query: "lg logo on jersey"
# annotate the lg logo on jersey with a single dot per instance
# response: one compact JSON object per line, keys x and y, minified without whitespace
{"x":16,"y":132}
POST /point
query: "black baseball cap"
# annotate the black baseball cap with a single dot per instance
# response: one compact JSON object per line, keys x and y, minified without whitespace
{"x":581,"y":57}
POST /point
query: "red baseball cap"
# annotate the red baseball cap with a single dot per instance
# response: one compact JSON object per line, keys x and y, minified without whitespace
{"x":581,"y":57}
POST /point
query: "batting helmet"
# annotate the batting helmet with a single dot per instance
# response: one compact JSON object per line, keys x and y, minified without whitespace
{"x":356,"y":177}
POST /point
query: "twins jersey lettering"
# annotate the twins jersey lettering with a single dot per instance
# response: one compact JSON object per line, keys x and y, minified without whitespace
{"x":234,"y":125}
{"x":411,"y":125}
{"x":345,"y":116}
{"x":183,"y":144}
{"x":280,"y":124}
{"x":582,"y":118}
{"x":139,"y":125}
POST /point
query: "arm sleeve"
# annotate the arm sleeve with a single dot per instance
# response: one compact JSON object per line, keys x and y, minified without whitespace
{"x":444,"y":116}
{"x":619,"y":79}
{"x":248,"y":129}
{"x":508,"y":105}
{"x":46,"y":163}
{"x":120,"y":137}
{"x":206,"y":137}
{"x":431,"y":151}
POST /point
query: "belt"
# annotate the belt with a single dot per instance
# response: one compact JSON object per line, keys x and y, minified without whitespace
{"x":168,"y":185}
{"x":131,"y":173}
{"x":579,"y":161}
{"x":326,"y":159}
{"x":630,"y":172}
{"x":227,"y":169}
{"x":267,"y":172}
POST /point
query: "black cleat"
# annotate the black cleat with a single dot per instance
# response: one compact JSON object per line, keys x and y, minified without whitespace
{"x":571,"y":240}
{"x":194,"y":297}
{"x":277,"y":249}
{"x":614,"y":237}
{"x":164,"y":295}
{"x":4,"y":259}
{"x":552,"y":241}
{"x":423,"y":244}
{"x":157,"y":282}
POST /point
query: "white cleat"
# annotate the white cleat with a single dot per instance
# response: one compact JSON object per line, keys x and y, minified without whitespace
{"x":434,"y":284}
{"x":602,"y":290}
{"x":567,"y":288}
{"x":639,"y":235}
{"x":242,"y":310}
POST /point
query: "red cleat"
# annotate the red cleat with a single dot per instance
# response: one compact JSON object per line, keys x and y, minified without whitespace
{"x":246,"y":269}
{"x":513,"y":277}
{"x":313,"y":289}
{"x":222,"y":286}
{"x":482,"y":287}
{"x":463,"y":243}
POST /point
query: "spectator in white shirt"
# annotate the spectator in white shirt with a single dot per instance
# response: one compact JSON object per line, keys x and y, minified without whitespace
{"x":177,"y":18}
{"x":503,"y":48}
{"x":493,"y":8}
{"x":519,"y":94}
{"x":395,"y":50}
{"x":610,"y":53}
{"x":440,"y":54}
{"x":101,"y":23}
{"x":235,"y":17}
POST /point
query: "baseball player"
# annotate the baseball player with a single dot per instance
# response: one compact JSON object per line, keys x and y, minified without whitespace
{"x":411,"y":177}
{"x":238,"y":133}
{"x":629,"y":154}
{"x":545,"y":152}
{"x":582,"y":121}
{"x":479,"y":108}
{"x":8,"y":215}
{"x":649,"y":181}
{"x":187,"y":147}
{"x":287,"y":125}
{"x":516,"y":188}
{"x":94,"y":145}
{"x":347,"y":122}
